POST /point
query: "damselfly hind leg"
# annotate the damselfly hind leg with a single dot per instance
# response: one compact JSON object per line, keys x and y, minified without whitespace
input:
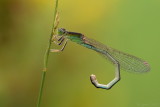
{"x":57,"y":39}
{"x":59,"y":50}
{"x":111,"y":83}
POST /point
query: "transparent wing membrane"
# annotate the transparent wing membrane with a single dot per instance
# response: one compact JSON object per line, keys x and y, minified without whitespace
{"x":127,"y":62}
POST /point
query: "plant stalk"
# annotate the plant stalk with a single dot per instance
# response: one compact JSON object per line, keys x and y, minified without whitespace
{"x":46,"y":56}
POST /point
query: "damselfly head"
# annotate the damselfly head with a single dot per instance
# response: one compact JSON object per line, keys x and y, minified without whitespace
{"x":61,"y":31}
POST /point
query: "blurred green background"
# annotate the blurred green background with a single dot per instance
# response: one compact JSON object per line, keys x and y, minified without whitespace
{"x":132,"y":26}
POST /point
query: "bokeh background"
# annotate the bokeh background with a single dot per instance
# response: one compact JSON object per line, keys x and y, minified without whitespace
{"x":132,"y":26}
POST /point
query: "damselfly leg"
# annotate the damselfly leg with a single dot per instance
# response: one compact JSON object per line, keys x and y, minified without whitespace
{"x":61,"y":41}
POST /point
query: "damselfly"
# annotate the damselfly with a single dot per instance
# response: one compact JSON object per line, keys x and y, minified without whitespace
{"x":119,"y":59}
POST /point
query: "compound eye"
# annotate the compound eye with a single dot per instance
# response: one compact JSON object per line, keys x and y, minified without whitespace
{"x":61,"y":31}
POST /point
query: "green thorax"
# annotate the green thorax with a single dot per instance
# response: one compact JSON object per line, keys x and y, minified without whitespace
{"x":80,"y":39}
{"x":75,"y":37}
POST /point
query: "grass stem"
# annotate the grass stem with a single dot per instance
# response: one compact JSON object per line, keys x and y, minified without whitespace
{"x":46,"y":56}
